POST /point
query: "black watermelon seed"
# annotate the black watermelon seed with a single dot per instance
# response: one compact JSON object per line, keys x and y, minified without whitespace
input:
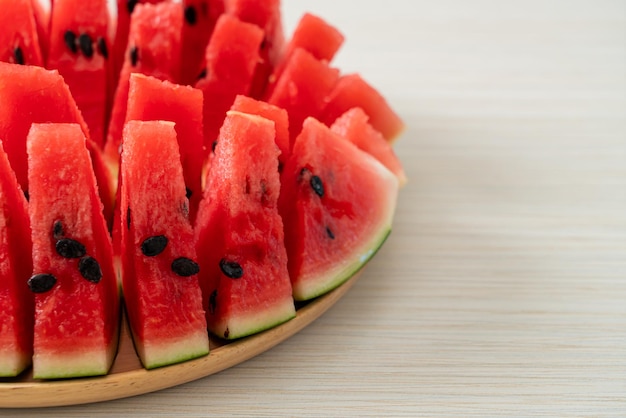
{"x":70,"y":40}
{"x":231,"y":269}
{"x":18,"y":55}
{"x":102,"y":48}
{"x":128,"y":218}
{"x":27,"y":195}
{"x":89,"y":268}
{"x":41,"y":283}
{"x":130,"y":5}
{"x":188,"y":192}
{"x":202,"y":74}
{"x":213,"y":146}
{"x":317,"y":185}
{"x":190,"y":15}
{"x":86,"y":45}
{"x":134,"y":56}
{"x":330,"y":233}
{"x":57,"y":230}
{"x":153,"y":246}
{"x":213,"y":302}
{"x":264,"y":43}
{"x":69,"y":248}
{"x":185,"y":267}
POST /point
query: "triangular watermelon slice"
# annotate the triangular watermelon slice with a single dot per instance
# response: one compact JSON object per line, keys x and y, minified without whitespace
{"x":159,"y":271}
{"x":18,"y":38}
{"x":338,"y":204}
{"x":239,"y":233}
{"x":152,"y":99}
{"x":266,"y":15}
{"x":353,"y":91}
{"x":302,"y":88}
{"x":314,"y":35}
{"x":31,"y":94}
{"x":153,"y":49}
{"x":200,"y":19}
{"x":77,"y":303}
{"x":353,"y":125}
{"x":279,"y":116}
{"x":231,"y":58}
{"x":16,"y":315}
{"x":79,"y":50}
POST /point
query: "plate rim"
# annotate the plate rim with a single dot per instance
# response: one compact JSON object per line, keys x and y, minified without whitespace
{"x":119,"y":385}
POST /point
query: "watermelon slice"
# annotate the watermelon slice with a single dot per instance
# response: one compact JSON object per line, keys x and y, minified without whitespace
{"x":159,"y":274}
{"x":303,"y":88}
{"x":337,"y":204}
{"x":200,"y":19}
{"x":19,"y":39}
{"x":124,"y":10}
{"x":30,"y":94}
{"x":79,"y":50}
{"x":314,"y":35}
{"x":266,"y":15}
{"x":76,"y":294}
{"x":353,"y":91}
{"x":153,"y":49}
{"x":353,"y":125}
{"x":279,"y":116}
{"x":239,"y":233}
{"x":16,"y":315}
{"x":231,"y":57}
{"x":152,"y":99}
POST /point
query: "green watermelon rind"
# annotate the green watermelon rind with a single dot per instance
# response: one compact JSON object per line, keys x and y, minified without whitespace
{"x":257,"y":321}
{"x":174,"y":351}
{"x":72,"y":364}
{"x":13,"y":362}
{"x":309,"y":289}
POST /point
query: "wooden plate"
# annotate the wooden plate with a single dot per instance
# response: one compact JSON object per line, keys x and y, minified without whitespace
{"x":127,"y":377}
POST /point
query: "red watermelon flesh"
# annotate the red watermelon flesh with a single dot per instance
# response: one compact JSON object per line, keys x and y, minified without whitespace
{"x":200,"y":18}
{"x":266,"y":15}
{"x":30,"y":94}
{"x":159,"y":276}
{"x":279,"y":116}
{"x":79,"y":50}
{"x":314,"y":35}
{"x":41,"y":13}
{"x":18,"y":38}
{"x":239,"y":233}
{"x":152,"y":99}
{"x":353,"y":125}
{"x":353,"y":91}
{"x":16,"y":315}
{"x":153,"y":49}
{"x":124,"y":10}
{"x":337,"y":203}
{"x":76,"y":296}
{"x":231,"y":58}
{"x":303,"y":88}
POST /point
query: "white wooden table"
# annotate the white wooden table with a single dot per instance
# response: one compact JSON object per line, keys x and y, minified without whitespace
{"x":502,"y":290}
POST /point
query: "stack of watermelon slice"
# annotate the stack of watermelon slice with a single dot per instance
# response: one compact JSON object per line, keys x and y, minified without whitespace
{"x":181,"y":160}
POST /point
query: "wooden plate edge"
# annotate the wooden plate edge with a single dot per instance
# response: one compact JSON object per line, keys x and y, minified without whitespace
{"x":140,"y":381}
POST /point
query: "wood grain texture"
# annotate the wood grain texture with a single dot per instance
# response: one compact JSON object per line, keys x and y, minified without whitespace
{"x":502,"y":290}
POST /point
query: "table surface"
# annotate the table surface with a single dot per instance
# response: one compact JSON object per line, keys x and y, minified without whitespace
{"x":502,"y":289}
